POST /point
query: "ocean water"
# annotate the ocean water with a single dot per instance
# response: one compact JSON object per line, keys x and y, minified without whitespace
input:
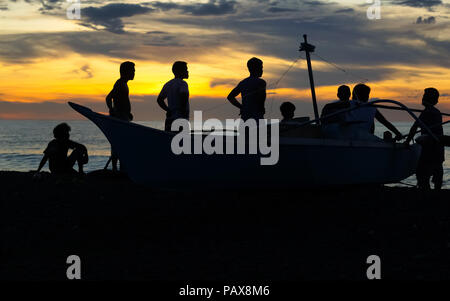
{"x":23,"y":141}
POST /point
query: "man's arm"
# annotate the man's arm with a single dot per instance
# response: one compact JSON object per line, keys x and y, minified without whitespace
{"x":162,"y":95}
{"x":412,"y":132}
{"x":109,"y":98}
{"x":387,"y":124}
{"x":42,"y":163}
{"x":76,"y":145}
{"x":232,"y":97}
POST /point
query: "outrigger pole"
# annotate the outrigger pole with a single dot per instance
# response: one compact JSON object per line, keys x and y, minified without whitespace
{"x":307,"y":48}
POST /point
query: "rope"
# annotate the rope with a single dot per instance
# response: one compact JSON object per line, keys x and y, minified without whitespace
{"x":279,"y":80}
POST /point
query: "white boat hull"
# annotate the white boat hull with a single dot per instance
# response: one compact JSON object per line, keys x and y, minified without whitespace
{"x":146,"y":155}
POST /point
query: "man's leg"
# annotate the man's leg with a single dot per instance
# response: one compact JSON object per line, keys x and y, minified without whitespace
{"x":114,"y":160}
{"x":77,"y":155}
{"x":423,"y":176}
{"x":438,"y":174}
{"x":168,"y":125}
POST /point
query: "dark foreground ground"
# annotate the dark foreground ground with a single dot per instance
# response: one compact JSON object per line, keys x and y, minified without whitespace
{"x":123,"y":231}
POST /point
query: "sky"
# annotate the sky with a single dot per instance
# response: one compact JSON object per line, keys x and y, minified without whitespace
{"x":49,"y":58}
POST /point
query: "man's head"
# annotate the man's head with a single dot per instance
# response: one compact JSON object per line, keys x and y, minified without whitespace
{"x":430,"y":97}
{"x":361,"y":92}
{"x":61,"y":131}
{"x":344,"y":92}
{"x":180,"y":70}
{"x":127,"y":70}
{"x":255,"y":67}
{"x":287,"y":110}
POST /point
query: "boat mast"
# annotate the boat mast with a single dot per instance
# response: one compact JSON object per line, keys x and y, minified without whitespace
{"x":307,"y":48}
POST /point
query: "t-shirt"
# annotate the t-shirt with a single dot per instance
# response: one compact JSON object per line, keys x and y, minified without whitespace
{"x":121,"y":100}
{"x":333,"y":107}
{"x":172,"y":90}
{"x":253,"y":92}
{"x":57,"y":153}
{"x":432,"y":118}
{"x":363,"y":116}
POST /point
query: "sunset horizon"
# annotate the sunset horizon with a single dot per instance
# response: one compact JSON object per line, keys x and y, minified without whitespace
{"x":49,"y":59}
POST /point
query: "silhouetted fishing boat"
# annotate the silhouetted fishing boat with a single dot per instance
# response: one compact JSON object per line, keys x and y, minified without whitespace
{"x":306,"y":159}
{"x":147,"y":158}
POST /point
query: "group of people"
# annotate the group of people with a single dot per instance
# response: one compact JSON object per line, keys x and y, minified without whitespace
{"x":335,"y":117}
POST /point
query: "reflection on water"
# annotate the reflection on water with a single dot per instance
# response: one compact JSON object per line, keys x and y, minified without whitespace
{"x":23,"y":141}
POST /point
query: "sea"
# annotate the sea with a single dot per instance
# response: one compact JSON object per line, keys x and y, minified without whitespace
{"x":22,"y":143}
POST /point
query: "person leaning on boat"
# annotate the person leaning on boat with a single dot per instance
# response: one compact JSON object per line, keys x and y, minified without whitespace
{"x":433,"y":152}
{"x":332,"y":126}
{"x":364,"y":117}
{"x":253,"y":92}
{"x":177,"y":93}
{"x":118,"y":100}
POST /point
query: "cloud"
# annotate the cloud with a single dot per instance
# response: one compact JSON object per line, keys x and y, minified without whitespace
{"x":84,"y":70}
{"x":419,"y":3}
{"x":211,"y":8}
{"x":222,"y":82}
{"x":275,"y":9}
{"x":424,"y":20}
{"x":110,"y":15}
{"x":345,"y":10}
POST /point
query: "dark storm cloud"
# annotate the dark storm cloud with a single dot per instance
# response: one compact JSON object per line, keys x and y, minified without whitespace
{"x":419,"y":3}
{"x":424,"y":20}
{"x":24,"y":48}
{"x":346,"y":39}
{"x":110,"y":15}
{"x":211,"y":8}
{"x":345,"y":10}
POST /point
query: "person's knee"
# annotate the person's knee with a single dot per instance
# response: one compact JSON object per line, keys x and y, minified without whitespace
{"x":81,"y":155}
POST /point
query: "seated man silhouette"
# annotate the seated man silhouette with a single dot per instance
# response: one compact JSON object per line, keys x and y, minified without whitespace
{"x":118,"y":100}
{"x":287,"y":111}
{"x":433,"y":152}
{"x":289,"y":122}
{"x":253,"y":92}
{"x":343,"y":103}
{"x":57,"y":149}
{"x":177,"y":93}
{"x":364,"y":117}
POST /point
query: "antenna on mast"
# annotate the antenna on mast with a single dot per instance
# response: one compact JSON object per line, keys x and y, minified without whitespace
{"x":308,"y":48}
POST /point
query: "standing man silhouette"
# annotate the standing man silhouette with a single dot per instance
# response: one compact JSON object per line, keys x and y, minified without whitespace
{"x":177,"y":93}
{"x":253,"y":92}
{"x":433,"y":153}
{"x":118,"y":100}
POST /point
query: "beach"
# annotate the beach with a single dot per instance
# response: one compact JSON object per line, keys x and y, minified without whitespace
{"x":123,"y":231}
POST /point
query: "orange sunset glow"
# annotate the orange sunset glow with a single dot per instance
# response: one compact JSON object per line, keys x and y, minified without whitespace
{"x":48,"y":59}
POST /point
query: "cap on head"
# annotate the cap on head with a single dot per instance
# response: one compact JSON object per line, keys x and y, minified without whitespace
{"x":430,"y":96}
{"x":344,"y":92}
{"x":179,"y":68}
{"x":361,"y":92}
{"x":61,"y":130}
{"x":126,"y":68}
{"x":254,"y":65}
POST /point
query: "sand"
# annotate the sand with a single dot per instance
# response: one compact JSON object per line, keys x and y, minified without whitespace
{"x":124,"y":231}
